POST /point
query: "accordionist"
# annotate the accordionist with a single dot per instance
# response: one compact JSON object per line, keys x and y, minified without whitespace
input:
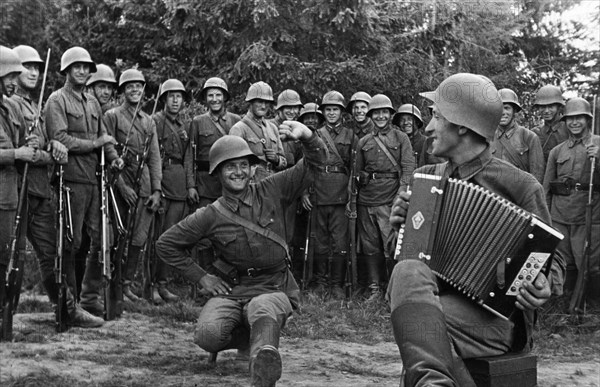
{"x":436,"y":327}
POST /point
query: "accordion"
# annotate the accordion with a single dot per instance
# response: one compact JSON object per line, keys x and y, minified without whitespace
{"x":474,"y":240}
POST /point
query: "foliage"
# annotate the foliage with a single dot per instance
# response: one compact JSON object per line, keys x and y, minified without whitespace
{"x":394,"y":47}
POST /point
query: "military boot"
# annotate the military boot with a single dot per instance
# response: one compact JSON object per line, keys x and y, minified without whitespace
{"x":265,"y":361}
{"x":91,"y":289}
{"x":337,"y":276}
{"x":133,"y":256}
{"x":373,"y":263}
{"x":165,"y":294}
{"x":320,"y":272}
{"x":78,"y":317}
{"x":427,"y":356}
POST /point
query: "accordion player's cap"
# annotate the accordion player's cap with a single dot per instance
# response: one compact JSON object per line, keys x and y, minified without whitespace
{"x":469,"y":100}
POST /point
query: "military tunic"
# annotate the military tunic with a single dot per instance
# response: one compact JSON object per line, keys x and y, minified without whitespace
{"x":361,"y":130}
{"x":521,"y":148}
{"x":569,"y":162}
{"x":204,"y":131}
{"x":551,"y":135}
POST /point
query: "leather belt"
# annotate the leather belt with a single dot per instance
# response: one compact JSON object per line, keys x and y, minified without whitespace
{"x":332,"y":169}
{"x":256,"y":271}
{"x":172,"y":160}
{"x":383,"y":175}
{"x":586,"y":187}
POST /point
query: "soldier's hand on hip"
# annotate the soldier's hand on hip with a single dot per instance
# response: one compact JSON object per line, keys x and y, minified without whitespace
{"x":533,"y":295}
{"x":399,"y":210}
{"x":214,"y":285}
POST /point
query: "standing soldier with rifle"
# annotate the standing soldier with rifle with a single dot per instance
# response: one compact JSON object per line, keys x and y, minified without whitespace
{"x":567,"y":183}
{"x":102,"y":86}
{"x":139,"y":186}
{"x":385,"y":163}
{"x":173,"y":140}
{"x":41,"y":206}
{"x":73,"y":118}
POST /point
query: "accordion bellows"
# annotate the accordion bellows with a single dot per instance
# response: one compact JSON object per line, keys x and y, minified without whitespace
{"x":474,"y":240}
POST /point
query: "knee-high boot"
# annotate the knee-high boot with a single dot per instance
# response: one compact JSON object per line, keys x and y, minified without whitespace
{"x":427,"y":356}
{"x":91,"y":288}
{"x":338,"y":275}
{"x":265,"y":361}
{"x":133,"y":256}
{"x":320,"y":271}
{"x":374,"y":264}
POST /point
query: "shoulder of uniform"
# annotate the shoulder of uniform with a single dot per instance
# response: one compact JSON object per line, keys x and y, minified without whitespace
{"x":233,"y":115}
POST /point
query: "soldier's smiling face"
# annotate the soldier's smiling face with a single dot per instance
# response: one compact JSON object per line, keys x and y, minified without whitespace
{"x":290,"y":113}
{"x":29,"y":79}
{"x":234,"y":174}
{"x":407,"y":123}
{"x":549,"y":112}
{"x":359,"y":111}
{"x":381,"y":117}
{"x":332,"y":114}
{"x":78,"y":73}
{"x":577,"y":125}
{"x":8,"y":84}
{"x":508,"y":113}
{"x":215,"y":100}
{"x":103,"y":91}
{"x":133,"y":92}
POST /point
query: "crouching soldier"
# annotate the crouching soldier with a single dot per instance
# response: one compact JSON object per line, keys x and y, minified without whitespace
{"x":253,"y":291}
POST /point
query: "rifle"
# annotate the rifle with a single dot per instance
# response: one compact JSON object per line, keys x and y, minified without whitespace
{"x":307,"y":263}
{"x":351,"y":212}
{"x":150,"y":253}
{"x":14,"y":270}
{"x":577,"y":303}
{"x":104,"y":253}
{"x":59,"y":273}
{"x":113,"y":295}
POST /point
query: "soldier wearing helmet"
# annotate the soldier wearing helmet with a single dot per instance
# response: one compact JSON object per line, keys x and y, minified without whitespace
{"x":141,"y":139}
{"x":358,"y":107}
{"x":408,"y":119}
{"x":205,"y":129}
{"x":288,"y":109}
{"x":567,"y":185}
{"x":255,"y":292}
{"x":173,"y":141}
{"x":102,"y":85}
{"x":330,"y":197}
{"x":74,"y":118}
{"x":13,"y":147}
{"x":549,"y":102}
{"x":514,"y":143}
{"x":466,"y":111}
{"x":261,"y":134}
{"x":41,"y":208}
{"x":311,"y":116}
{"x":384,"y":166}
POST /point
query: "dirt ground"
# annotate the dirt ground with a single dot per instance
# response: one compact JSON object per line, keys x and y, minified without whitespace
{"x":138,"y":350}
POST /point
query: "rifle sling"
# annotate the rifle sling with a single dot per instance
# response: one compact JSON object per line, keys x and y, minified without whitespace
{"x":327,"y":137}
{"x":387,"y":153}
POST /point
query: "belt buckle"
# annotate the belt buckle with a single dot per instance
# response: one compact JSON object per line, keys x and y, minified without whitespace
{"x":374,"y":176}
{"x":578,"y":187}
{"x":327,"y":169}
{"x":250,"y":272}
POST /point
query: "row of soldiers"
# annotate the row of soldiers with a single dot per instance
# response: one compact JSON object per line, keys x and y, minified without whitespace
{"x":371,"y":158}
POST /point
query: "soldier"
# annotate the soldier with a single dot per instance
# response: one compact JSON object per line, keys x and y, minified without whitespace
{"x":515,"y":144}
{"x":384,"y":166}
{"x":358,"y":107}
{"x":173,"y":141}
{"x":549,"y":101}
{"x":255,"y":293}
{"x":331,"y":196}
{"x":141,"y":140}
{"x":102,"y":85}
{"x":463,"y":125}
{"x":288,"y":108}
{"x":311,"y":116}
{"x":74,"y":118}
{"x":205,"y":129}
{"x":408,"y":119}
{"x":260,"y":134}
{"x":567,"y":184}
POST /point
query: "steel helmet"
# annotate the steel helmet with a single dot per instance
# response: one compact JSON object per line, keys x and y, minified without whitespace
{"x":214,"y":83}
{"x":76,"y":55}
{"x":548,"y":95}
{"x":309,"y":108}
{"x":229,"y":147}
{"x":288,"y":97}
{"x":28,"y":54}
{"x":380,"y":101}
{"x":358,"y":96}
{"x":411,"y":109}
{"x":509,"y":96}
{"x":103,"y":74}
{"x":576,"y":107}
{"x":9,"y":62}
{"x":259,"y":90}
{"x":171,"y":85}
{"x":131,"y":75}
{"x":333,"y":98}
{"x":469,"y":100}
